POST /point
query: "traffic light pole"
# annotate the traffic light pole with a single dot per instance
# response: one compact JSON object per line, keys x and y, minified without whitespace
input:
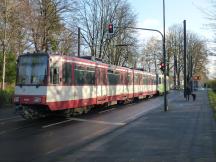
{"x":185,"y":58}
{"x":79,"y":34}
{"x":164,"y":60}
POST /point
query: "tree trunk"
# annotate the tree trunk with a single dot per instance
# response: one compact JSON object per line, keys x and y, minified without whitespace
{"x":4,"y":48}
{"x":3,"y":70}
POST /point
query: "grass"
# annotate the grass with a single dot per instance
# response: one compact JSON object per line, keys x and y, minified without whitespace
{"x":212,"y":100}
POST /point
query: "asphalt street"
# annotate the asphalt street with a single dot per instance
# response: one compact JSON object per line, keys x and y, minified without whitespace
{"x":134,"y":132}
{"x":186,"y":133}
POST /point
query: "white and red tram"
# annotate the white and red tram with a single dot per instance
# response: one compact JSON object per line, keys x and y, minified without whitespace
{"x":55,"y":82}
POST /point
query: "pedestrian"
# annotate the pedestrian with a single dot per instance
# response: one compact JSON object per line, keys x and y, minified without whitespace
{"x":187,"y":93}
{"x":193,"y":96}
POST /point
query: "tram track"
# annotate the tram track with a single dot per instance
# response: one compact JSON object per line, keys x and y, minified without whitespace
{"x":16,"y":123}
{"x":11,"y":126}
{"x":9,"y":119}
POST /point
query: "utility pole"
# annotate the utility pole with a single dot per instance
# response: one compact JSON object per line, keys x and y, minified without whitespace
{"x":175,"y":69}
{"x":191,"y":72}
{"x":164,"y":58}
{"x":185,"y":57}
{"x":78,"y":41}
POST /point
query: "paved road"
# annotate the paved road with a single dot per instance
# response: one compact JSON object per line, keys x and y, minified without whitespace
{"x":186,"y":133}
{"x":136,"y":132}
{"x":22,"y":140}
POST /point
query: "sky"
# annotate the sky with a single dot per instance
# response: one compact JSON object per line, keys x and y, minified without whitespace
{"x":150,"y":15}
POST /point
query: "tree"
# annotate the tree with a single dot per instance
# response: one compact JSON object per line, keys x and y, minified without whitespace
{"x":45,"y":23}
{"x":10,"y":31}
{"x":175,"y":52}
{"x":94,"y":16}
{"x":152,"y":55}
{"x":196,"y":53}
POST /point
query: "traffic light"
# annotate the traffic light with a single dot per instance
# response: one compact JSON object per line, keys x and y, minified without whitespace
{"x":162,"y":66}
{"x":110,"y":28}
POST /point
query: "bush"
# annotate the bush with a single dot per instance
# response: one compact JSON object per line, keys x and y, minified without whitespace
{"x":6,"y":96}
{"x":212,"y":100}
{"x":212,"y":84}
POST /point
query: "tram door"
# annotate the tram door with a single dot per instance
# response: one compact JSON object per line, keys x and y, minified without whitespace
{"x":101,"y":84}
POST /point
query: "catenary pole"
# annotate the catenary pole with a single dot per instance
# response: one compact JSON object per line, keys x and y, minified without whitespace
{"x":164,"y":58}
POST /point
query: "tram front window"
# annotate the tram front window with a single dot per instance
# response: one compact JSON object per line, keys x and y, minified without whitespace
{"x":32,"y":69}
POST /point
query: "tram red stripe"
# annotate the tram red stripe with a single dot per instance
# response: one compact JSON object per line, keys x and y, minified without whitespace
{"x":60,"y":105}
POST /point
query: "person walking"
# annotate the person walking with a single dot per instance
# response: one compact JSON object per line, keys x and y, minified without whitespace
{"x":187,"y":93}
{"x":193,"y":96}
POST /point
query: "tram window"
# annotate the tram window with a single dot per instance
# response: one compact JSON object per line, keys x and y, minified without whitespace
{"x":145,"y":80}
{"x":90,"y":76}
{"x":79,"y":80}
{"x":124,"y":78}
{"x":84,"y":76}
{"x":79,"y":75}
{"x":54,"y":75}
{"x":159,"y":80}
{"x":140,"y":79}
{"x":136,"y":79}
{"x":150,"y":80}
{"x":113,"y":78}
{"x":129,"y":79}
{"x":67,"y":74}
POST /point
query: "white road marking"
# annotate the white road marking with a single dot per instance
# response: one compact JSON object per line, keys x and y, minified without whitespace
{"x":84,"y":120}
{"x":50,"y":125}
{"x":98,"y":121}
{"x":54,"y":150}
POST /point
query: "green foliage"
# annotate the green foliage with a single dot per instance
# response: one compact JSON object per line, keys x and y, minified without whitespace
{"x":10,"y":76}
{"x":212,"y":100}
{"x":6,"y":96}
{"x":212,"y":84}
{"x":54,"y":45}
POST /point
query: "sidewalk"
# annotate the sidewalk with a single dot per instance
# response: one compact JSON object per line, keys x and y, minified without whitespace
{"x":186,"y":133}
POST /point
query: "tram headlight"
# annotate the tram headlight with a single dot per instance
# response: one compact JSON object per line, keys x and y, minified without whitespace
{"x":37,"y":100}
{"x":16,"y":99}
